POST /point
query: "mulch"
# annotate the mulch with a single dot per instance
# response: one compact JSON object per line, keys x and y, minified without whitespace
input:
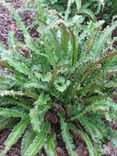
{"x":7,"y":24}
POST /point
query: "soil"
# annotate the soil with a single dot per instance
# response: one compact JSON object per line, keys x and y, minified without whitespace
{"x":7,"y":24}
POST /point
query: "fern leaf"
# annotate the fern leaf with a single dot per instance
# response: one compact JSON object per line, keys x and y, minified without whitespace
{"x":31,"y":94}
{"x":6,"y":122}
{"x":37,"y":117}
{"x":92,"y":127}
{"x":7,"y":78}
{"x":56,"y":44}
{"x":90,"y":40}
{"x":74,"y":46}
{"x":34,"y":116}
{"x":38,"y":142}
{"x":20,"y":67}
{"x":103,"y":38}
{"x":43,"y":99}
{"x":27,"y":140}
{"x":64,"y":38}
{"x":16,"y":134}
{"x":11,"y":112}
{"x":35,"y":85}
{"x":67,"y":137}
{"x":50,"y":52}
{"x":6,"y":84}
{"x":25,"y":104}
{"x":3,"y":122}
{"x":10,"y":93}
{"x":37,"y":114}
{"x":50,"y":146}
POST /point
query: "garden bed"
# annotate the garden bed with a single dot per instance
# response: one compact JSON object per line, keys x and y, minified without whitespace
{"x":7,"y":24}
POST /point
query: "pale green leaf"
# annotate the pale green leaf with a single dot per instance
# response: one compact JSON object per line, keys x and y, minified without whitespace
{"x":27,"y":140}
{"x":61,"y":84}
{"x":50,"y":146}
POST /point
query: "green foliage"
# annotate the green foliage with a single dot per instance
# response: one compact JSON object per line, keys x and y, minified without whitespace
{"x":110,"y":10}
{"x":86,"y":139}
{"x":66,"y":137}
{"x":67,"y":75}
{"x":86,"y":8}
{"x":15,"y":134}
{"x":37,"y":142}
{"x":103,"y":9}
{"x":50,"y":146}
{"x":27,"y":140}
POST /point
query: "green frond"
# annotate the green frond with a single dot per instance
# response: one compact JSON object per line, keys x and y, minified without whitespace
{"x":20,"y":67}
{"x":27,"y":140}
{"x":21,"y":102}
{"x":34,"y":116}
{"x":103,"y":38}
{"x":6,"y":122}
{"x":50,"y":146}
{"x":38,"y":142}
{"x":7,"y":80}
{"x":74,"y":45}
{"x":67,"y":137}
{"x":10,"y":93}
{"x":65,"y":36}
{"x":103,"y":106}
{"x":31,"y":94}
{"x":52,"y":58}
{"x":95,"y":127}
{"x":7,"y":112}
{"x":37,"y":115}
{"x":34,"y":85}
{"x":16,"y":133}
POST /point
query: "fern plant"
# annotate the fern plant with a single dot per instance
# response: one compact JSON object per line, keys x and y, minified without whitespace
{"x":64,"y":79}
